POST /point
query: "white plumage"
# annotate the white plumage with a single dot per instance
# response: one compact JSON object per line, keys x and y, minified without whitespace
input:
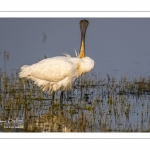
{"x":58,"y":73}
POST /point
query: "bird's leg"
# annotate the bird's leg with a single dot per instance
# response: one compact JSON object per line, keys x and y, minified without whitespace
{"x":61,"y":96}
{"x":53,"y":97}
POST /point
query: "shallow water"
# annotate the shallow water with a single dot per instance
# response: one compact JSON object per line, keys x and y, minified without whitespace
{"x":94,"y":104}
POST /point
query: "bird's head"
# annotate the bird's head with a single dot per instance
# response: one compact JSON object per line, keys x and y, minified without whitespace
{"x":88,"y":64}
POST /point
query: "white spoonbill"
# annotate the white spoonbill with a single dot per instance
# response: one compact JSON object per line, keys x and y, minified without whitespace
{"x":59,"y":73}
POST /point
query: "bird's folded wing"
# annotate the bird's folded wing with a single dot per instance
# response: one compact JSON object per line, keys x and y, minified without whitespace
{"x":52,"y":70}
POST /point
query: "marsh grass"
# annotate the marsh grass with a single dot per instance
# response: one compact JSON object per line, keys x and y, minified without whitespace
{"x":94,"y":104}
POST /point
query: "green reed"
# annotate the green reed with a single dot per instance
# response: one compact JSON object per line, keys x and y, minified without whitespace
{"x":94,"y":104}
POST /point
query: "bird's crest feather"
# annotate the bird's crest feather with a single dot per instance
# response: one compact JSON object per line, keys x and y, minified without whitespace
{"x":77,"y":55}
{"x":66,"y":54}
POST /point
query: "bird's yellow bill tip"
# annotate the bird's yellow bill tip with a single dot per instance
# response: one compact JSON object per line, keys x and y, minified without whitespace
{"x":82,"y":50}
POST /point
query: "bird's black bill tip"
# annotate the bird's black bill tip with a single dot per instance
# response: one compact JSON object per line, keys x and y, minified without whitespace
{"x":83,"y":22}
{"x":83,"y":25}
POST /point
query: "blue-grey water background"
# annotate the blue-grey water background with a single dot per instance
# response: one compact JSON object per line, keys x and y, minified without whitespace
{"x":119,"y":46}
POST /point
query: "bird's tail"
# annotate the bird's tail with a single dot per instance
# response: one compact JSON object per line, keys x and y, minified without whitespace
{"x":25,"y":71}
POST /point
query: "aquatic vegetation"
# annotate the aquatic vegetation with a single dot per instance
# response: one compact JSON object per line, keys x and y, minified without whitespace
{"x":94,"y":104}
